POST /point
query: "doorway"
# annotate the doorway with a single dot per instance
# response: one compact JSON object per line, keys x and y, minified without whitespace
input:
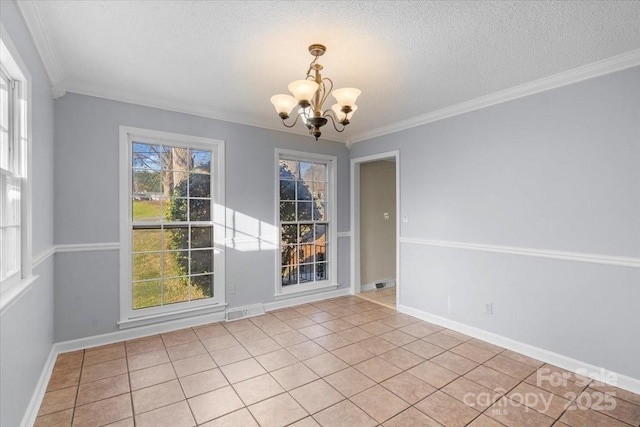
{"x":375,"y":206}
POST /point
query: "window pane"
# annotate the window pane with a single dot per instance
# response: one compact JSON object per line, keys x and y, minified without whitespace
{"x":289,"y":169}
{"x":287,"y":190}
{"x":288,"y":253}
{"x":202,"y":261}
{"x":199,"y":210}
{"x":318,"y":191}
{"x":304,"y":193}
{"x":146,"y":210}
{"x":321,"y":231}
{"x":202,"y":286}
{"x":148,"y":156}
{"x":321,"y":253}
{"x":305,"y":171}
{"x":178,"y":159}
{"x":289,"y":234}
{"x":321,"y":271}
{"x":304,"y":211}
{"x":289,"y":276}
{"x":4,"y":150}
{"x":200,"y":185}
{"x":306,"y":233}
{"x":201,"y":161}
{"x":176,"y":290}
{"x":176,"y":264}
{"x":147,"y":240}
{"x":175,"y":210}
{"x":147,"y":184}
{"x":306,"y":253}
{"x":319,"y":212}
{"x":4,"y":103}
{"x":287,"y":211}
{"x":306,"y":273}
{"x":176,"y":237}
{"x":147,"y":294}
{"x":147,"y":266}
{"x":201,"y":237}
{"x":319,"y":172}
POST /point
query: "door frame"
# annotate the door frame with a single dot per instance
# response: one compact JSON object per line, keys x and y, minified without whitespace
{"x":355,"y":218}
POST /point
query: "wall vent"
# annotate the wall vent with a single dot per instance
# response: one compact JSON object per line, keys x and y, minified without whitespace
{"x":244,"y":312}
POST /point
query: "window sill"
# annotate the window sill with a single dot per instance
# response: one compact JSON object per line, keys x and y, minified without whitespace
{"x":284,"y":294}
{"x":12,"y":294}
{"x":174,"y":315}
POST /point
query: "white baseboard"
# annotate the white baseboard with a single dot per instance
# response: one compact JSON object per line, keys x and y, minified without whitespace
{"x":612,"y":378}
{"x":305,"y":299}
{"x":36,"y":399}
{"x":139,"y":332}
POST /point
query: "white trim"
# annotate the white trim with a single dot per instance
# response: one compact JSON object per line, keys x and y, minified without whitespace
{"x":135,"y":322}
{"x":29,"y":418}
{"x":88,"y":247}
{"x":532,"y":252}
{"x":318,"y":296}
{"x":43,"y":43}
{"x":139,"y":332}
{"x":301,"y":290}
{"x":341,"y":234}
{"x":596,"y":69}
{"x":623,"y":381}
{"x":13,"y":293}
{"x":355,"y":218}
{"x":43,"y":256}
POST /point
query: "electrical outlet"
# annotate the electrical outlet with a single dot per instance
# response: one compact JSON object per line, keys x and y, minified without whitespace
{"x":232,"y":289}
{"x":488,"y":308}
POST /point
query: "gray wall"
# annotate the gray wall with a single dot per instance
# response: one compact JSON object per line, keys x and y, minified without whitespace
{"x":377,"y":235}
{"x":86,"y":206}
{"x":26,"y":328}
{"x":558,"y":170}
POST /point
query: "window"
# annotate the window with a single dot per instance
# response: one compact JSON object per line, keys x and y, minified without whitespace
{"x":306,"y":212}
{"x":14,"y":191}
{"x":173,"y":198}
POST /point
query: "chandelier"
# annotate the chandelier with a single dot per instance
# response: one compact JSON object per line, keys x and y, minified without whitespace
{"x":310,"y":94}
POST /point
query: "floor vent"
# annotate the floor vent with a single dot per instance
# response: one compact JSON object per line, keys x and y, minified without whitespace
{"x":244,"y":312}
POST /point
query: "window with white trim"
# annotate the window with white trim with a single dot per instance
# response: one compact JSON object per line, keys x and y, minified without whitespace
{"x":174,"y":237}
{"x":13,"y":173}
{"x":306,"y":222}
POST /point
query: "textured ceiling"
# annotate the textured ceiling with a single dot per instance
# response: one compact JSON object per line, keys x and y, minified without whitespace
{"x":224,"y":59}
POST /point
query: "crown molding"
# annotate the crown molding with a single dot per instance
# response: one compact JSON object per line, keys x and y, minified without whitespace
{"x":176,"y":106}
{"x":41,"y":39}
{"x":585,"y":72}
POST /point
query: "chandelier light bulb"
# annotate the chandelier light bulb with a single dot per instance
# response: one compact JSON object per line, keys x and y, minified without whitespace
{"x":340,"y":115}
{"x":346,"y":96}
{"x":303,"y":90}
{"x":284,"y":104}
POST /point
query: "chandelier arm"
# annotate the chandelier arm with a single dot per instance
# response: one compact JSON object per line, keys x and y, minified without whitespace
{"x":292,"y":124}
{"x":326,"y":93}
{"x":333,"y":121}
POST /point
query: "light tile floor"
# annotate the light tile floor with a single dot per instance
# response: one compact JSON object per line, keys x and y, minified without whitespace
{"x":384,"y":296}
{"x":341,"y":362}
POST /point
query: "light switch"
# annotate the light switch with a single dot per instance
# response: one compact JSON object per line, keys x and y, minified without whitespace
{"x":405,"y":218}
{"x":386,"y":216}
